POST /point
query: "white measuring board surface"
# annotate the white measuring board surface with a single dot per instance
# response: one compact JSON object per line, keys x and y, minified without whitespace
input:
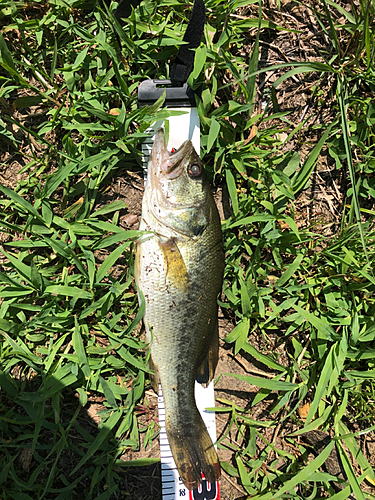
{"x":182,"y":127}
{"x":172,"y":486}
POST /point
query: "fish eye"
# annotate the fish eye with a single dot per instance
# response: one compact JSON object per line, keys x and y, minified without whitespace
{"x":194,"y":170}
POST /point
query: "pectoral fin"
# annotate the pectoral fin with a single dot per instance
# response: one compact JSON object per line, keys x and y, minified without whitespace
{"x":206,"y":370}
{"x":175,"y":266}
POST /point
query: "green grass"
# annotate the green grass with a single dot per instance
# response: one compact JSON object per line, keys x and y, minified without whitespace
{"x":68,"y":306}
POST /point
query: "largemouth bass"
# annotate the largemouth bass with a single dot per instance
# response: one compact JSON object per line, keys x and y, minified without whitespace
{"x":179,"y":269}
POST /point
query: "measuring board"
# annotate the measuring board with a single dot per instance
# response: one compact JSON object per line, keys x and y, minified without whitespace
{"x":173,"y":487}
{"x":181,"y":128}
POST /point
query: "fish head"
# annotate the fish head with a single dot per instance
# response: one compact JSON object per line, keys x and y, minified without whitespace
{"x":178,"y":192}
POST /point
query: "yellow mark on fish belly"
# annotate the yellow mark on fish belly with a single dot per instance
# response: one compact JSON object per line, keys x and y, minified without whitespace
{"x":176,"y":270}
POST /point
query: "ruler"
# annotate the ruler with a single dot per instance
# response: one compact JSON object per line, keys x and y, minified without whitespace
{"x":172,"y":486}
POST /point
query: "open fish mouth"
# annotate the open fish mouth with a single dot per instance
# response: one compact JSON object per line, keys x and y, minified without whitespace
{"x":165,"y":163}
{"x":176,"y":159}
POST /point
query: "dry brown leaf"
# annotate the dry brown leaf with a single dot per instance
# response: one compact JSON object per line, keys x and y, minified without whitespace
{"x":304,"y":410}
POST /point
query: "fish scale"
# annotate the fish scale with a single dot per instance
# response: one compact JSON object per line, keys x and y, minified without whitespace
{"x":179,"y":269}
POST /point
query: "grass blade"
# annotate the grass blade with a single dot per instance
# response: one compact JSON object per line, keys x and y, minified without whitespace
{"x":110,"y":262}
{"x":301,"y":477}
{"x":303,"y":175}
{"x":272,"y":385}
{"x":108,"y":426}
{"x":342,"y":92}
{"x":352,"y":478}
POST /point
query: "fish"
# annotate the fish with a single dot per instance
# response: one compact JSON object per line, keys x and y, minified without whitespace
{"x":179,"y":265}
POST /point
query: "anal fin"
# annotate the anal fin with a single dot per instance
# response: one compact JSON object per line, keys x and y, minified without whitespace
{"x":206,"y":370}
{"x":154,"y":377}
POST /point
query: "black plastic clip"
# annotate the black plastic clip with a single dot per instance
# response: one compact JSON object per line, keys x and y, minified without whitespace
{"x":149,"y":91}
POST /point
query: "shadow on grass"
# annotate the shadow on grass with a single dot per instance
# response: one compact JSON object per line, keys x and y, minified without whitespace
{"x":55,"y":448}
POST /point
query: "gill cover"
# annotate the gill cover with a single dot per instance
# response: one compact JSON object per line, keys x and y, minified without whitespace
{"x":178,"y":188}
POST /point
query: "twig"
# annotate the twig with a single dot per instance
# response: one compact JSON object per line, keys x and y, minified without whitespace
{"x":330,"y":204}
{"x":300,"y":357}
{"x":260,"y":372}
{"x":304,"y":113}
{"x":232,"y":483}
{"x":285,"y":410}
{"x":151,"y":394}
{"x":41,"y":78}
{"x":269,"y":75}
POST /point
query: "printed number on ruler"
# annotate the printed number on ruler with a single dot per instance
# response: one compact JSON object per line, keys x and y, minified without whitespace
{"x":206,"y":491}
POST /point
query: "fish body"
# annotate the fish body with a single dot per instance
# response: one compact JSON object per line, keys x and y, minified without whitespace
{"x":179,"y":270}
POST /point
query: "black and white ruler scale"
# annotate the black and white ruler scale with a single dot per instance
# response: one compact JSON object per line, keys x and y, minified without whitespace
{"x":181,"y":127}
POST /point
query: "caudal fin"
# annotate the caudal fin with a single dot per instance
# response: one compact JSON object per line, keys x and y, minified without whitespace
{"x":194,"y":453}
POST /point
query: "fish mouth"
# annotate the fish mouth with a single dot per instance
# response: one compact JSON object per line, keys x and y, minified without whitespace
{"x":176,"y":163}
{"x":164,"y":163}
{"x":167,"y":204}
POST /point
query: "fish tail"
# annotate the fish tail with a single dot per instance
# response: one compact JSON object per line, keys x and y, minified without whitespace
{"x":194,"y":453}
